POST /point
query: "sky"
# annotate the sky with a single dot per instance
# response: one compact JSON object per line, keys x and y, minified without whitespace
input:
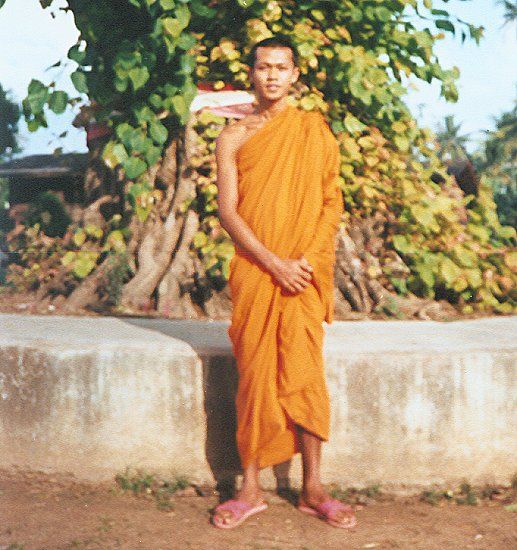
{"x":31,"y":40}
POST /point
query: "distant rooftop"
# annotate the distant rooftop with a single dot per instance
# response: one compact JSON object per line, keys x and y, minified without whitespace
{"x":45,"y":166}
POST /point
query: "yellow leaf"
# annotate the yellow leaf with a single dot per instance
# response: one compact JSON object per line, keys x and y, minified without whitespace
{"x":79,"y":237}
{"x":510,"y":259}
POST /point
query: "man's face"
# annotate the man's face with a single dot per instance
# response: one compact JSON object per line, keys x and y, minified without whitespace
{"x":273,"y":72}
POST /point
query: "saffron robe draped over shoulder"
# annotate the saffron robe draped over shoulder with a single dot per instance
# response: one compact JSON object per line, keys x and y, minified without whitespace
{"x":289,"y":195}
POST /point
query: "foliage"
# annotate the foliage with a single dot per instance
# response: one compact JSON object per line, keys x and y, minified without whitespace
{"x":9,"y":116}
{"x":141,"y":482}
{"x":118,"y":271}
{"x":452,"y":144}
{"x":355,"y":61}
{"x":211,"y":241}
{"x":143,"y":78}
{"x":510,"y":10}
{"x":498,"y":162}
{"x":4,"y":194}
{"x":41,"y":258}
{"x":471,"y":265}
{"x":48,"y":212}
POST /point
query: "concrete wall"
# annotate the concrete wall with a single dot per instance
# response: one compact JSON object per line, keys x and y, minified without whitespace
{"x":412,"y":402}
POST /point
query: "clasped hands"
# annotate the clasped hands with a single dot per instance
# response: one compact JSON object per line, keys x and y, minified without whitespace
{"x":292,"y":275}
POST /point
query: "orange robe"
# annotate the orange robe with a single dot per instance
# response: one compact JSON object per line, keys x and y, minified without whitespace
{"x":289,"y":195}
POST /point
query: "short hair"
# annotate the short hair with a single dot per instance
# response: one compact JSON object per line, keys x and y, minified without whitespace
{"x":279,"y":41}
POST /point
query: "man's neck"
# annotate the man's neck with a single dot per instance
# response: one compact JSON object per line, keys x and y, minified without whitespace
{"x":269,"y":109}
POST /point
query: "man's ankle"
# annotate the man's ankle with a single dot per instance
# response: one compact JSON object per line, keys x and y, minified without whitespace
{"x":250,"y":490}
{"x":312,"y":486}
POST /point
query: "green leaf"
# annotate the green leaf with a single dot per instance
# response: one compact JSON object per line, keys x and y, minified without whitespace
{"x":143,"y":113}
{"x":79,"y":81}
{"x":200,"y":239}
{"x":318,"y":15}
{"x":245,"y":3}
{"x":137,"y":140}
{"x":199,"y":8}
{"x":94,"y":231}
{"x":186,"y":41}
{"x":182,"y":15}
{"x":120,"y":153}
{"x":85,"y":264}
{"x":474,"y":277}
{"x":156,"y":101}
{"x":75,"y":54}
{"x":79,"y":238}
{"x":187,"y":64}
{"x":139,"y":76}
{"x":402,"y":142}
{"x":356,"y":14}
{"x":134,"y":167}
{"x":38,"y":95}
{"x":124,"y":132}
{"x":440,"y":12}
{"x":507,"y":232}
{"x":68,"y":258}
{"x":426,"y":274}
{"x":482,"y":233}
{"x":58,"y":102}
{"x":121,"y":84}
{"x":402,"y":244}
{"x":353,"y":124}
{"x":445,"y":25}
{"x":383,"y":13}
{"x":422,"y":215}
{"x":142,"y":213}
{"x":465,"y":257}
{"x":167,"y":4}
{"x":153,"y":155}
{"x":158,"y":132}
{"x":449,"y":271}
{"x":172,"y":27}
{"x":180,"y":107}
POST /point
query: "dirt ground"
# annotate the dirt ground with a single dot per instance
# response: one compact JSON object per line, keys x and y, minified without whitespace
{"x":54,"y":512}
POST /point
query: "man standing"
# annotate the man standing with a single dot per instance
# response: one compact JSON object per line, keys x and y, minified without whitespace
{"x":280,"y":201}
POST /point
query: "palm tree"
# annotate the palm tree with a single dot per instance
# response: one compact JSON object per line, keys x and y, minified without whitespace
{"x":510,"y":11}
{"x":497,"y":161}
{"x":452,"y":144}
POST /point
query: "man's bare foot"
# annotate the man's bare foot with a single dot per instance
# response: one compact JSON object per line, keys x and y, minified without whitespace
{"x":252,"y":496}
{"x":314,"y":497}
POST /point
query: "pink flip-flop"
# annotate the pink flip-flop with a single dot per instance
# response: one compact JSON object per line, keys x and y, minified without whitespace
{"x":240,"y":509}
{"x":327,"y":511}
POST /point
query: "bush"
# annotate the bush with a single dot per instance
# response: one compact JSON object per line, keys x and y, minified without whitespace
{"x":48,"y":212}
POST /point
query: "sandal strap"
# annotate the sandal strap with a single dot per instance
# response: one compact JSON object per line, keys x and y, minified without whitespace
{"x":234,"y":505}
{"x":331,"y":506}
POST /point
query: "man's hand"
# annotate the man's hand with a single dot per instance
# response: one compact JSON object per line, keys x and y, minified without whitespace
{"x":292,"y":275}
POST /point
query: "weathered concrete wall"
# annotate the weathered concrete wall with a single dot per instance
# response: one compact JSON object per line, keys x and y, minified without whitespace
{"x":412,"y":402}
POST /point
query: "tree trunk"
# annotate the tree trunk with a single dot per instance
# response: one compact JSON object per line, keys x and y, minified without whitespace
{"x":167,"y":233}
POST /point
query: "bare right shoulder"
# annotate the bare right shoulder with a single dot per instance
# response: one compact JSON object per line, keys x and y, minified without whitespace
{"x":230,"y":139}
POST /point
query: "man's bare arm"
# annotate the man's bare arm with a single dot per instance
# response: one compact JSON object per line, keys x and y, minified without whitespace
{"x":290,"y":276}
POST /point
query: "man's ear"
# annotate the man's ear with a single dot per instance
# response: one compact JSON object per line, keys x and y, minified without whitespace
{"x":296,"y":75}
{"x":249,"y":74}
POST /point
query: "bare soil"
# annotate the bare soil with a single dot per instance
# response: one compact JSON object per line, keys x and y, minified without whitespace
{"x":54,"y":512}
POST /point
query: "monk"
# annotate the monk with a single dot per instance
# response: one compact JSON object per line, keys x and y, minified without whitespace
{"x":280,"y":201}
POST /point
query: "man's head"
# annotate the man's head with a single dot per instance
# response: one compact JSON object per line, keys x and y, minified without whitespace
{"x":273,"y":67}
